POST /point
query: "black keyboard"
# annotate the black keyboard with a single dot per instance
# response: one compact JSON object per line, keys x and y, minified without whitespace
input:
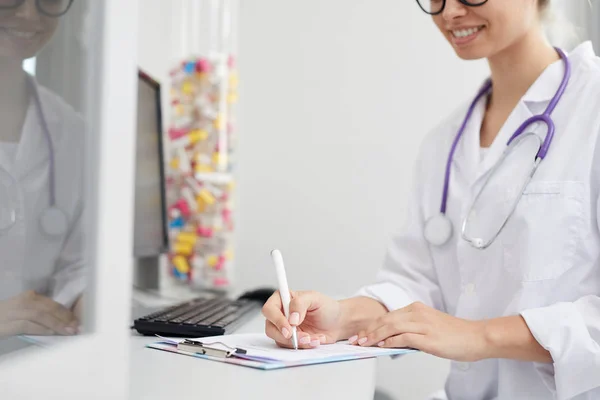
{"x":203,"y":316}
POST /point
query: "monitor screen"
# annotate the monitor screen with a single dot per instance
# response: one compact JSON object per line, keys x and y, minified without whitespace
{"x":150,"y":233}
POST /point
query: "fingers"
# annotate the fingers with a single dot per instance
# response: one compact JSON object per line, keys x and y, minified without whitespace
{"x":301,"y":304}
{"x":43,"y":311}
{"x":305,"y":340}
{"x":273,"y":312}
{"x":55,"y":309}
{"x":390,"y":330}
{"x":45,"y":319}
{"x":392,"y":324}
{"x":406,"y":340}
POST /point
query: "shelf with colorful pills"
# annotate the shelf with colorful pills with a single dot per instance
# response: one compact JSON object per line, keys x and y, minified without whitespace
{"x":199,"y":177}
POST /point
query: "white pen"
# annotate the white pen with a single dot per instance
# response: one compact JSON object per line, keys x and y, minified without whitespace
{"x":284,"y":290}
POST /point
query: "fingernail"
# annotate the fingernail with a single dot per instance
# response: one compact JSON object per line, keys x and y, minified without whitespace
{"x":315,"y":343}
{"x":70,"y":330}
{"x":323,"y":339}
{"x":362,"y":340}
{"x":353,"y":339}
{"x":285,"y":333}
{"x":380,"y":344}
{"x":294,"y":318}
{"x":305,"y":340}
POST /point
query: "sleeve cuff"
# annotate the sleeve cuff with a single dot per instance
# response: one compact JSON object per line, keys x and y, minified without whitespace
{"x":66,"y":293}
{"x":388,"y":294}
{"x":562,"y":331}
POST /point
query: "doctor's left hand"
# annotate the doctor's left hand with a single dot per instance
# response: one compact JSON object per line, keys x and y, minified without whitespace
{"x":421,"y":327}
{"x":30,"y":313}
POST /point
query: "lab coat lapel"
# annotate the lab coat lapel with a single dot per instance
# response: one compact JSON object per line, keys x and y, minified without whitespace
{"x":466,"y":158}
{"x":33,"y":148}
{"x":519,"y":115}
{"x":534,"y":102}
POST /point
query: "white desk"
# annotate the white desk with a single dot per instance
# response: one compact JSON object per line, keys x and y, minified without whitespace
{"x":159,"y":375}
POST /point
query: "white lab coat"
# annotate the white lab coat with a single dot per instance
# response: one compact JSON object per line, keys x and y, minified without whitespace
{"x":53,"y":266}
{"x":545,"y":265}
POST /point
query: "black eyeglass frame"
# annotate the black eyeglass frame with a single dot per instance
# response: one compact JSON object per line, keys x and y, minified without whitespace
{"x":465,"y":2}
{"x":38,"y":5}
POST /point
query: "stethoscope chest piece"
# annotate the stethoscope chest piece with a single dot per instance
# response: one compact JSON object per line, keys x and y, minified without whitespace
{"x":53,"y":221}
{"x":438,"y":230}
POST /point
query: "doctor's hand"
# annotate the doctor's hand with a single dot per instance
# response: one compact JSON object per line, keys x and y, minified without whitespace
{"x":316,"y":316}
{"x":33,"y":314}
{"x":424,"y":328}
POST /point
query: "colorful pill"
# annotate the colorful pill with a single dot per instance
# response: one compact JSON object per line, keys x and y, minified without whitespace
{"x":202,"y":65}
{"x":177,"y":223}
{"x":219,"y":282}
{"x":205,"y":232}
{"x":184,"y":249}
{"x":187,"y":237}
{"x":207,"y":197}
{"x":212,"y":261}
{"x":197,"y":136}
{"x":183,"y":206}
{"x":226,"y":213}
{"x":177,"y":133}
{"x":220,"y":263}
{"x":190,"y":67}
{"x":181,"y":264}
{"x":187,"y":88}
{"x":203,"y":168}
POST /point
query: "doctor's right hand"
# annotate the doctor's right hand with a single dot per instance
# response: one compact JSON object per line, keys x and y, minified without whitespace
{"x":30,"y":313}
{"x":317,"y":317}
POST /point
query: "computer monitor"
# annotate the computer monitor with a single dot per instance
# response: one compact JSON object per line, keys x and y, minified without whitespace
{"x":150,"y":217}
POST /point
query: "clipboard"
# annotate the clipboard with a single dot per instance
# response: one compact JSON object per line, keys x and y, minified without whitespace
{"x":259,"y":351}
{"x":209,"y":349}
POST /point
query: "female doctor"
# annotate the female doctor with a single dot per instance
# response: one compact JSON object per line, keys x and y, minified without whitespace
{"x":498,"y":265}
{"x":41,"y":143}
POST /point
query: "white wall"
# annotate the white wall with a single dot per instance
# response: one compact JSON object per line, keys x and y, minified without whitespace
{"x":335,"y":98}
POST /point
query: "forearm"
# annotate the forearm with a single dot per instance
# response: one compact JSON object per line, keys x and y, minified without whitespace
{"x":358,"y":313}
{"x":510,"y":337}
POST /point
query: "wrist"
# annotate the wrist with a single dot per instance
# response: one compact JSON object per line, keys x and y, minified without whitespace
{"x":488,"y":339}
{"x":357,"y":313}
{"x":510,"y":338}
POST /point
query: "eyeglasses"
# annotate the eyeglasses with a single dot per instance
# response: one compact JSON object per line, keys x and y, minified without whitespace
{"x":435,"y":7}
{"x":50,"y":8}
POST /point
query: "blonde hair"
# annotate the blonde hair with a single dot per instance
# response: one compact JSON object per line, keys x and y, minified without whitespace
{"x":559,"y":29}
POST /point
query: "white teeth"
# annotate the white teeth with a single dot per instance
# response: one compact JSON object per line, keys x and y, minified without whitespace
{"x":461,"y":33}
{"x":20,"y":34}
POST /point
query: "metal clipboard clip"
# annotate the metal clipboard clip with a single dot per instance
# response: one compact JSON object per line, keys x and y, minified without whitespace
{"x":196,"y":346}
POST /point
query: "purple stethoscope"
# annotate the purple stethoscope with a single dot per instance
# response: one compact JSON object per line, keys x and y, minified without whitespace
{"x":438,"y":229}
{"x":53,"y":221}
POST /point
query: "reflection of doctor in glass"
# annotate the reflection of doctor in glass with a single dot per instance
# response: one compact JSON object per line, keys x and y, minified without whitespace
{"x":41,"y":141}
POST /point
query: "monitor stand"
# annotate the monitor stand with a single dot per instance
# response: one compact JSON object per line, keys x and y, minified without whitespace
{"x":146,"y":273}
